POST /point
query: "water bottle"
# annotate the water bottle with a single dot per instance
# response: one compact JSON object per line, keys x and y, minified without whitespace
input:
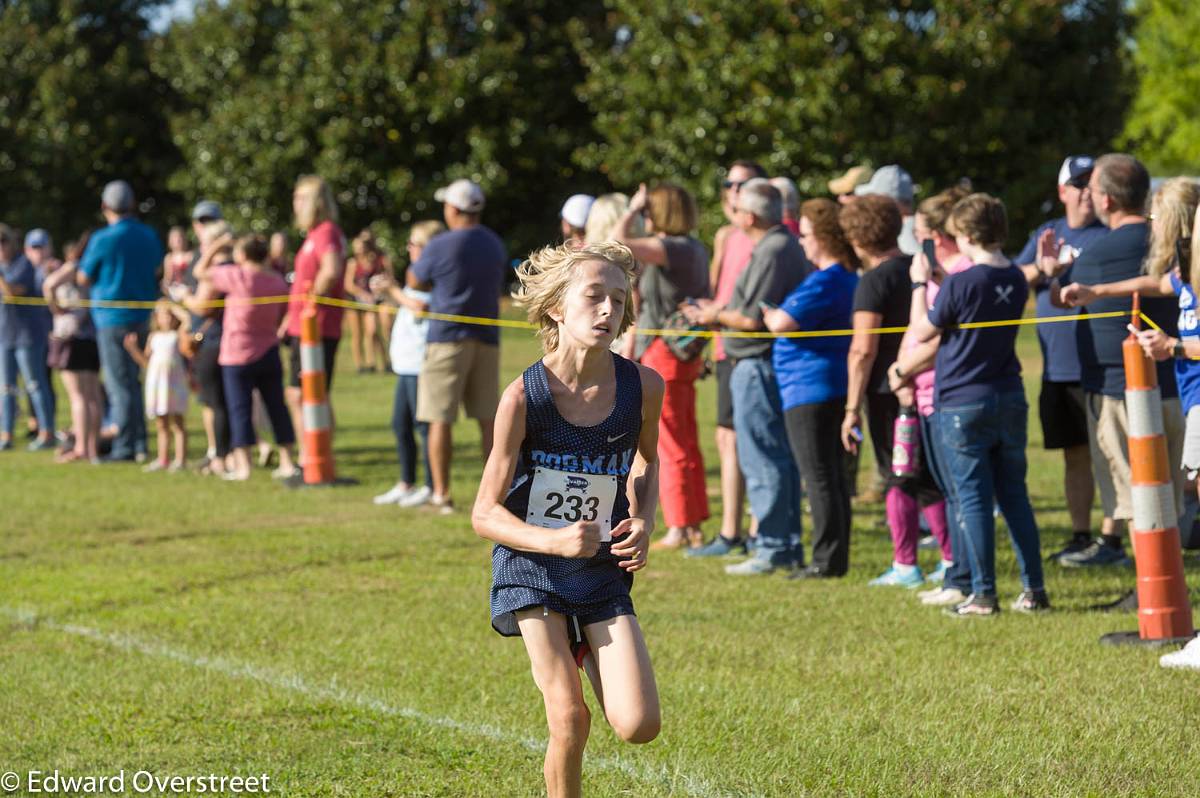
{"x":906,"y":440}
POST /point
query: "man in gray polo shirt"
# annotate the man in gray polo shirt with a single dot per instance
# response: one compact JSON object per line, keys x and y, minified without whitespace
{"x":777,"y":265}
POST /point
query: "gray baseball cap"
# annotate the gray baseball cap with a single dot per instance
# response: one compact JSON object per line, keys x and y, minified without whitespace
{"x":890,"y":181}
{"x":206,"y":210}
{"x":37,"y":238}
{"x":118,"y":197}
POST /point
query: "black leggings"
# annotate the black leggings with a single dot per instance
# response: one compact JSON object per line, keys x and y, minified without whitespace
{"x":814,"y":432}
{"x":212,"y":390}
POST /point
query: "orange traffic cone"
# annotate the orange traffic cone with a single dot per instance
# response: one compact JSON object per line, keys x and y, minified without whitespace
{"x":318,"y":422}
{"x":1164,"y":611}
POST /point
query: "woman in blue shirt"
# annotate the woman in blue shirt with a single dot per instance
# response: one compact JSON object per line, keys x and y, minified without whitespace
{"x":812,"y":378}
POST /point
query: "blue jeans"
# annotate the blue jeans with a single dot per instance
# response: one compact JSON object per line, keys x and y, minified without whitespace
{"x":30,"y":362}
{"x":772,"y":481}
{"x":958,"y":575}
{"x":407,"y":430}
{"x":985,"y":456}
{"x":122,"y":382}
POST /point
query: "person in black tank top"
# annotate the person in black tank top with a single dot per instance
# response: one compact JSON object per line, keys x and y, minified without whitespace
{"x":569,"y":497}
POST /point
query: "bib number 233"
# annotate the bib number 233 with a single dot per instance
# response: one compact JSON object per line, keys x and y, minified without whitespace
{"x":560,"y":498}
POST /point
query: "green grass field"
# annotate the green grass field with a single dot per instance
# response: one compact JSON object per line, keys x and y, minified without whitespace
{"x":181,"y":625}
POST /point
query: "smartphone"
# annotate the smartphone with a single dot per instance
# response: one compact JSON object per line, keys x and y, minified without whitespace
{"x":930,"y":250}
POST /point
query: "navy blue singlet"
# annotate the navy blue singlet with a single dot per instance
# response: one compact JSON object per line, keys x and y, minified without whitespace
{"x":573,"y":587}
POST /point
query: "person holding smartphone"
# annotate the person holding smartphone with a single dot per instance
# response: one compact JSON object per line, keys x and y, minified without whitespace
{"x":911,"y":378}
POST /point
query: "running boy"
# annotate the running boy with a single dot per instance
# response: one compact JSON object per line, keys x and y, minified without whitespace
{"x":568,"y":495}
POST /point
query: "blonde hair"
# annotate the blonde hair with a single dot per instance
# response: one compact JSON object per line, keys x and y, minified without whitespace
{"x":170,"y":307}
{"x":1174,"y":208}
{"x":981,"y":218}
{"x":319,"y":205}
{"x":602,"y":219}
{"x":549,"y":272}
{"x":422,"y":232}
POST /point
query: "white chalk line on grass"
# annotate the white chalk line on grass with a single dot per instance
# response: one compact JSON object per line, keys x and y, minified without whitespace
{"x":335,"y":693}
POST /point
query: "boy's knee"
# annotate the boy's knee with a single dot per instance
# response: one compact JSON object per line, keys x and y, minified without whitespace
{"x":568,"y":717}
{"x":639,"y":728}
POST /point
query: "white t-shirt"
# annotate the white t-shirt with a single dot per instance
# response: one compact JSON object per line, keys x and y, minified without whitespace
{"x":908,"y":237}
{"x":408,"y":337}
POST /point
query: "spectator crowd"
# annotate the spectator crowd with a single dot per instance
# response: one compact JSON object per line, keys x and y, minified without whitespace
{"x":944,"y":405}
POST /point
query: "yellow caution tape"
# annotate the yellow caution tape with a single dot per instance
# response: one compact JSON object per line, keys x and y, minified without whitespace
{"x":524,"y":325}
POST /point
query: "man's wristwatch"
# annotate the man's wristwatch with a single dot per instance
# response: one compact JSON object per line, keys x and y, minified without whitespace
{"x":918,"y":284}
{"x":1177,"y":351}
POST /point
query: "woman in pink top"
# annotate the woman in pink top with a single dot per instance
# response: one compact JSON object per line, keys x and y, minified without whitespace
{"x":249,"y":354}
{"x":912,"y":379}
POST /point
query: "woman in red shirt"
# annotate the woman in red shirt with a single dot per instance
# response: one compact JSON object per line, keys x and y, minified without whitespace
{"x":319,"y":265}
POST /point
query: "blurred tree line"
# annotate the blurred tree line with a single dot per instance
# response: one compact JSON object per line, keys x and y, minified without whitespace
{"x":537,"y":99}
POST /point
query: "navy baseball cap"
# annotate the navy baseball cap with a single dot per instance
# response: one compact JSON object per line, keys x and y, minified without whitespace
{"x":1076,"y":171}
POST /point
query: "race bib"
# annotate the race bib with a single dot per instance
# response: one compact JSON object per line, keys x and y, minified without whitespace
{"x":560,"y":498}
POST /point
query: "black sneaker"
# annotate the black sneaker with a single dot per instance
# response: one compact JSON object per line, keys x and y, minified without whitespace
{"x":1032,"y":601}
{"x":975,"y":607}
{"x":1126,"y":603}
{"x":1074,"y":546}
{"x":1098,"y":553}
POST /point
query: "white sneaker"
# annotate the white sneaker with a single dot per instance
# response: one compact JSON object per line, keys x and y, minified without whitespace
{"x":924,"y":594}
{"x":393,"y":496}
{"x":416,"y":497}
{"x":946,"y":597}
{"x":442,"y":505}
{"x":1186,"y":657}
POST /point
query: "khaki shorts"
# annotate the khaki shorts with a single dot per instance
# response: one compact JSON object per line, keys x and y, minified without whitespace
{"x":463,"y":372}
{"x":1108,"y":439}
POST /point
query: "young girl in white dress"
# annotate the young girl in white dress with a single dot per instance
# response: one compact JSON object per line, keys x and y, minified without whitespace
{"x":166,"y":388}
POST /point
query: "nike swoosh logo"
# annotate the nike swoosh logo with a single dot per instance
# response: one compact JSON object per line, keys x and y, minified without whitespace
{"x":617,"y":437}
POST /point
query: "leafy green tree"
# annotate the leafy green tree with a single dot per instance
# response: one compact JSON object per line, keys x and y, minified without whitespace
{"x":385,"y":100}
{"x":999,"y":92}
{"x":79,"y":107}
{"x":1164,"y":123}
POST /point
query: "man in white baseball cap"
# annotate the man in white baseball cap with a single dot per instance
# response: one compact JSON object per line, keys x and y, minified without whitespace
{"x":574,"y":215}
{"x":463,"y":270}
{"x":463,"y":195}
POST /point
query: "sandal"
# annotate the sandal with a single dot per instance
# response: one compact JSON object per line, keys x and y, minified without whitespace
{"x":673,"y":539}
